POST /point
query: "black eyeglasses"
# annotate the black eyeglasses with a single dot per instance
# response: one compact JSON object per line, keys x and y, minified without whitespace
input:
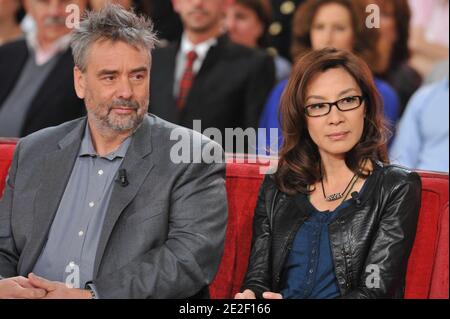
{"x":346,"y":104}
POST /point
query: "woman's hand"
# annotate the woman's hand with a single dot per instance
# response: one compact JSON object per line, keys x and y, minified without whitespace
{"x":272,"y":295}
{"x":246,"y":294}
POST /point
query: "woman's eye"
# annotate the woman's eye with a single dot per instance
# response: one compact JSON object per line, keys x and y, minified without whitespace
{"x":349,"y":100}
{"x":318,"y":27}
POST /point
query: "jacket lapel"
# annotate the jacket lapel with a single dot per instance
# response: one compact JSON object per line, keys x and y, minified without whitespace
{"x":162,"y":91}
{"x":137,"y":167}
{"x":61,"y":74}
{"x":293,"y":209}
{"x":197,"y":89}
{"x":58,"y":168}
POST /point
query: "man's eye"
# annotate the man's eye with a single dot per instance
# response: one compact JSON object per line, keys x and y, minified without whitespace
{"x":138,"y":76}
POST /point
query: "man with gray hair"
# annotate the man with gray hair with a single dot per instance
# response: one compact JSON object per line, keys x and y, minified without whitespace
{"x":108,"y":214}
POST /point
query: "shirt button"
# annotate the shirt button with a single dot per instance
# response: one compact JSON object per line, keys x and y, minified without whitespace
{"x":311,"y":271}
{"x":100,"y":172}
{"x":80,"y":233}
{"x":275,"y":28}
{"x":287,"y":7}
{"x":91,"y":204}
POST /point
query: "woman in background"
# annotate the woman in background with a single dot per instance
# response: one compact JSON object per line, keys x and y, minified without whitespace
{"x":335,"y":220}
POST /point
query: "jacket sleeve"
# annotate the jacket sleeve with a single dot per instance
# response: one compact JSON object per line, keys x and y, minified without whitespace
{"x":385,"y":266}
{"x":189,"y":258}
{"x":9,"y":255}
{"x":258,"y":273}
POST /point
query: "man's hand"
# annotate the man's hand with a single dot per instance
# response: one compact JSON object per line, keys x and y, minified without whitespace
{"x":19,"y":288}
{"x":58,"y":290}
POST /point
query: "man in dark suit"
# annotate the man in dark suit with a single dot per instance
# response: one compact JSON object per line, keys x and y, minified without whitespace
{"x":36,"y":86}
{"x":206,"y":77}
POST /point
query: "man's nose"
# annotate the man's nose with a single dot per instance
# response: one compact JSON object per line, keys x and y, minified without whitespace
{"x":124,"y":89}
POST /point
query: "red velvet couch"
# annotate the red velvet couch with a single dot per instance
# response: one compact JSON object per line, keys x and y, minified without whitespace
{"x":427,"y":275}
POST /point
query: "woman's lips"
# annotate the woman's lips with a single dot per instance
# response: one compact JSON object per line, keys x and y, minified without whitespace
{"x":338,"y":136}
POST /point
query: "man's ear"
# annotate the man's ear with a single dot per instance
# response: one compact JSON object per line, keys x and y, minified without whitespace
{"x":80,"y":82}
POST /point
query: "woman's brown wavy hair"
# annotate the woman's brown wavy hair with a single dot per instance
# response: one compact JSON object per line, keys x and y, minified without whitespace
{"x":299,"y":164}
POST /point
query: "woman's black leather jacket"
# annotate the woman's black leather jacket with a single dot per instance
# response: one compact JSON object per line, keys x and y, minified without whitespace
{"x":371,"y":239}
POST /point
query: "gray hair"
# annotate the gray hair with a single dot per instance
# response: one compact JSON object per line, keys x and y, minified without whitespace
{"x":112,"y":23}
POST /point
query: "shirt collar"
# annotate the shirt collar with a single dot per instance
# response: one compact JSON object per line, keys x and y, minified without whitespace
{"x":41,"y":56}
{"x":87,"y":147}
{"x":201,"y":49}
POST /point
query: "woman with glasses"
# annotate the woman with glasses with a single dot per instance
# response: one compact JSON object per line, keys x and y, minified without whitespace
{"x":339,"y":24}
{"x":335,"y":220}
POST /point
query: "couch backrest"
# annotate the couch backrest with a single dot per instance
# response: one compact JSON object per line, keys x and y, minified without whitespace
{"x":6,"y":153}
{"x":427,"y":275}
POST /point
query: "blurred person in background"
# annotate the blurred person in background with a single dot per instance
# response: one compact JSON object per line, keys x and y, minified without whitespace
{"x":429,"y":33}
{"x":207,"y":77}
{"x":11,"y":13}
{"x":167,"y":23}
{"x":394,"y":53}
{"x":338,"y":24}
{"x":422,"y":140}
{"x":439,"y":72}
{"x":36,"y":90}
{"x":247,"y":23}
